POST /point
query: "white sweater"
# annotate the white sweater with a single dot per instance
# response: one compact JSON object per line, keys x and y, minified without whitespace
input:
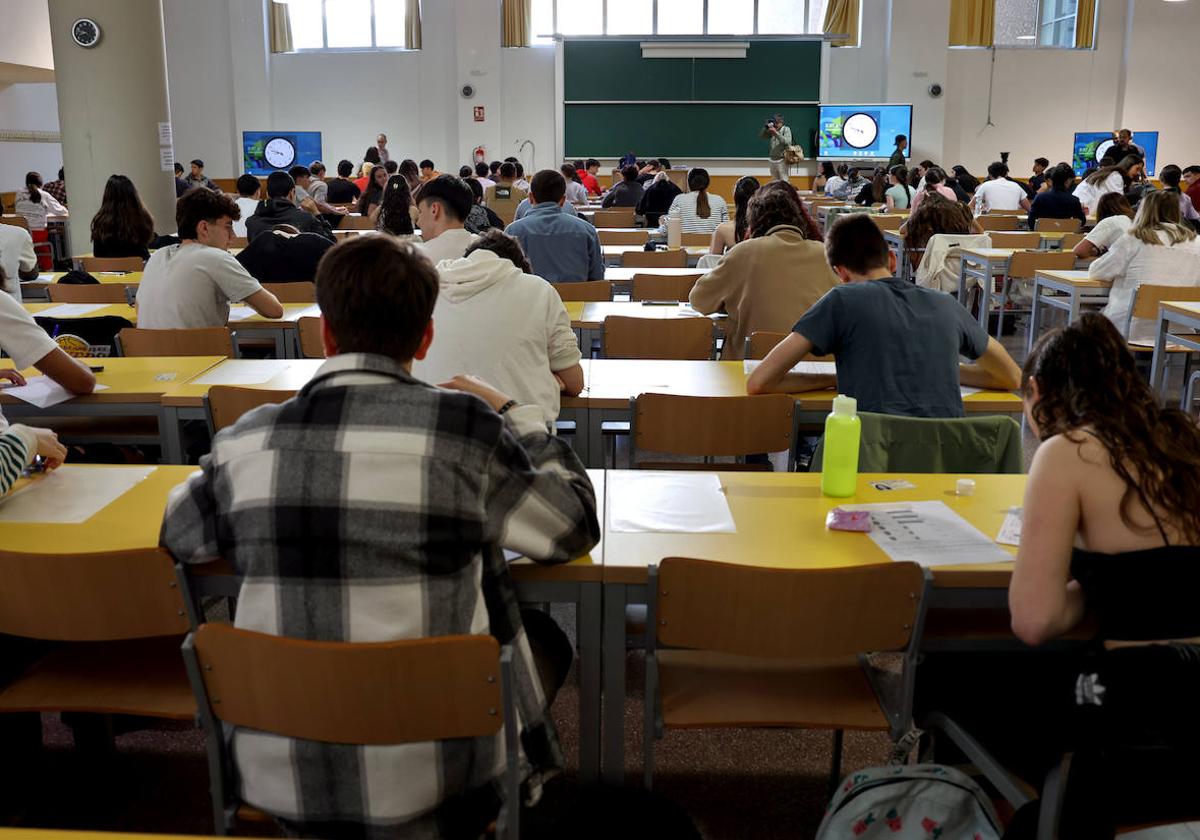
{"x":1129,"y":263}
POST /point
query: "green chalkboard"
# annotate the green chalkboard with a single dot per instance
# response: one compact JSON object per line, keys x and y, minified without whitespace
{"x":612,"y":129}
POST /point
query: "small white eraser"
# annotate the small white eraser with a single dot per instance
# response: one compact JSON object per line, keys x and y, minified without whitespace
{"x":965,"y":487}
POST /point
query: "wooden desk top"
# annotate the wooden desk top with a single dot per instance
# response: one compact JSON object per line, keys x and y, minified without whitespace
{"x":1187,"y":308}
{"x":780,"y":519}
{"x":121,"y":310}
{"x":990,"y":253}
{"x":592,"y":314}
{"x":624,"y":274}
{"x":284,"y":375}
{"x":132,"y":379}
{"x":1074,"y":277}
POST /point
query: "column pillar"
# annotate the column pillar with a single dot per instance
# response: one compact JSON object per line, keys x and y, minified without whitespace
{"x":111,"y":99}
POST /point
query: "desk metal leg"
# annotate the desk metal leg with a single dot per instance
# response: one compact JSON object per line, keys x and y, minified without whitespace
{"x":1033,"y":315}
{"x":169,"y":431}
{"x":588,"y":623}
{"x":1160,"y":357}
{"x":612,"y":768}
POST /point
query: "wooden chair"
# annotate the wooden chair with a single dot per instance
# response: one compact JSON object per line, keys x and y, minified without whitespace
{"x":503,"y":200}
{"x":760,"y":342}
{"x":1146,"y":299}
{"x":15,"y":220}
{"x":311,"y":344}
{"x":586,"y":290}
{"x":615,"y":217}
{"x":655,"y":259}
{"x":1021,"y":239}
{"x":695,"y":239}
{"x":297,"y":292}
{"x":663,"y":286}
{"x":992,"y":222}
{"x":889,"y":222}
{"x":356,"y":223}
{"x":378,"y":693}
{"x":709,"y":427}
{"x":117,"y":620}
{"x":1067,"y":225}
{"x":1022,"y":267}
{"x":225,"y":404}
{"x":97,"y":293}
{"x":624,"y":237}
{"x":96,"y":264}
{"x":1068,"y":242}
{"x":645,"y":338}
{"x":756,"y":646}
{"x":204,"y":341}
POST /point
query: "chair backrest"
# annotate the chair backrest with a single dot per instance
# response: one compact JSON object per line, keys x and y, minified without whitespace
{"x":787,"y":613}
{"x":1147,"y":297}
{"x":95,"y":293}
{"x":503,"y":201}
{"x":1068,"y":242}
{"x":646,"y":338}
{"x":624,"y":237}
{"x":760,"y":342}
{"x":704,"y":426}
{"x":586,"y":290}
{"x":886,"y":222}
{"x":311,"y":345}
{"x":679,"y":177}
{"x":226,"y":403}
{"x":997,"y":222}
{"x":891,"y":443}
{"x":655,"y":259}
{"x":351,"y":693}
{"x":615,"y":217}
{"x":202,"y":341}
{"x":90,"y":597}
{"x":1068,"y":225}
{"x":94,"y":264}
{"x":239,"y":242}
{"x":14,"y":220}
{"x":1020,"y":239}
{"x":1025,"y":263}
{"x":696,"y":239}
{"x":356,"y":223}
{"x":297,"y":292}
{"x":663,"y":286}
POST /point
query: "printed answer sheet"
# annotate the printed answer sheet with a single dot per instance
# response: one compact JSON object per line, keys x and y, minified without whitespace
{"x":929,"y":533}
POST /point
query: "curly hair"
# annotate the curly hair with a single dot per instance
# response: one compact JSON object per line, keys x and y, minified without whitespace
{"x":811,"y":231}
{"x":769,"y":209}
{"x":394,"y":216}
{"x":937,"y":214}
{"x":1087,"y":378}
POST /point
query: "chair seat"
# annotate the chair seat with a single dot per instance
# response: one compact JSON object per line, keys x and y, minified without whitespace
{"x":136,"y":677}
{"x":705,"y":689}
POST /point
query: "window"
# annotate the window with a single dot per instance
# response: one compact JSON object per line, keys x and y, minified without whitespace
{"x":1036,"y":23}
{"x":735,"y":17}
{"x":1056,"y":27}
{"x":347,"y":24}
{"x":630,"y":17}
{"x":680,"y":17}
{"x":671,"y":17}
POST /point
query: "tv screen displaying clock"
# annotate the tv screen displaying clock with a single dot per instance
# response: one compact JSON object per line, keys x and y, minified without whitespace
{"x":1090,"y":146}
{"x":862,"y":131}
{"x":264,"y":152}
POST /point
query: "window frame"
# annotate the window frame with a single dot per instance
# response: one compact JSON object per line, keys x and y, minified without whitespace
{"x":539,"y":40}
{"x":325,"y":35}
{"x":1036,"y":43}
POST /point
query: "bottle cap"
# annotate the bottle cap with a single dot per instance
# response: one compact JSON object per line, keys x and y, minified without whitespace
{"x":845,"y":405}
{"x":965,"y":487}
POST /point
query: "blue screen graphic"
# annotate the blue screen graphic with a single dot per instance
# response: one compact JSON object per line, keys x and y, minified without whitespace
{"x":862,"y":131}
{"x":264,"y":152}
{"x":1090,"y":146}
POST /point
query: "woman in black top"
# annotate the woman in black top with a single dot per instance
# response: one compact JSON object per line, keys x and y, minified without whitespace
{"x":1057,"y":202}
{"x":372,"y":197}
{"x":657,"y":198}
{"x":122,"y":227}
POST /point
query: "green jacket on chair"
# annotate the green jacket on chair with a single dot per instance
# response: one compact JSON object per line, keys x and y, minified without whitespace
{"x":894,"y":444}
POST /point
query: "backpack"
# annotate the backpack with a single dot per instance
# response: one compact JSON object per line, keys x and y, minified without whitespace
{"x":910,"y":802}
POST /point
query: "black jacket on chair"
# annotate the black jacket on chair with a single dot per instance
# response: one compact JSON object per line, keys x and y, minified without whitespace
{"x":284,"y":259}
{"x":279,"y":211}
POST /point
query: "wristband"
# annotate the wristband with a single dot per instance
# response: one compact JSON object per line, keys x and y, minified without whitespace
{"x":504,"y":408}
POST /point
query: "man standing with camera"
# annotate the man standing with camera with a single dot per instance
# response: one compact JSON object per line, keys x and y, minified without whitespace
{"x":780,"y":137}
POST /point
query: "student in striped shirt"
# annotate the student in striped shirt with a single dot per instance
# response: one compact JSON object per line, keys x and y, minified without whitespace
{"x":699,"y":211}
{"x":19,"y":444}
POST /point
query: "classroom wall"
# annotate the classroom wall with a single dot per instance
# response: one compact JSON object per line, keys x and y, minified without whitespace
{"x":25,"y":37}
{"x":24,"y":107}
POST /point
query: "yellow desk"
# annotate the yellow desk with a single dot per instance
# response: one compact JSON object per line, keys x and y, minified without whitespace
{"x":1065,"y":290}
{"x":282,"y":331}
{"x":120,"y":310}
{"x":35,"y":290}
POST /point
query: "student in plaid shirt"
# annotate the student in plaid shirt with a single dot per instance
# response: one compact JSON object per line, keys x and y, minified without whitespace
{"x":374,"y":507}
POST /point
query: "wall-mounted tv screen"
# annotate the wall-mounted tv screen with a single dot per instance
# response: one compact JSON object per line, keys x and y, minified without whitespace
{"x":1090,"y":146}
{"x":264,"y":152}
{"x":862,"y":131}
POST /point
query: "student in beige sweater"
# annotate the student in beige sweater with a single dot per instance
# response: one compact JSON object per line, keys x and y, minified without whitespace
{"x":769,"y":280}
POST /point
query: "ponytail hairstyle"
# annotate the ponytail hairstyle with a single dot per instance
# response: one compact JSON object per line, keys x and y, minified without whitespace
{"x":901,"y":175}
{"x":933,"y":177}
{"x":698,"y":183}
{"x":1087,"y":378}
{"x":743,"y":190}
{"x":32,"y":181}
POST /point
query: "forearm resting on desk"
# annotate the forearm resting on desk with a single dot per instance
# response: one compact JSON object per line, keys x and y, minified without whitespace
{"x":995,"y":370}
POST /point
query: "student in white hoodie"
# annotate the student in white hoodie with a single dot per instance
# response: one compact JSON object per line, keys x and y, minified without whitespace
{"x":494,"y":319}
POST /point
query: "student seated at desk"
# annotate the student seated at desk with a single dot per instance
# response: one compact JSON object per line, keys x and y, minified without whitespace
{"x":122,"y":227}
{"x":625,"y":194}
{"x":872,"y":191}
{"x":428,"y":171}
{"x":28,"y":346}
{"x":732,"y":231}
{"x":998,"y":192}
{"x":835,"y":182}
{"x":932,"y":184}
{"x":1056,"y":202}
{"x":561,"y":247}
{"x":897,"y":345}
{"x":1116,"y":178}
{"x":191,"y":284}
{"x":249,"y":192}
{"x":311,"y":198}
{"x":18,"y":446}
{"x":1170,"y":176}
{"x":1114,"y":219}
{"x":481,"y":217}
{"x":824,"y":172}
{"x":17,"y":259}
{"x":899,"y":195}
{"x":497,"y":321}
{"x":284,"y":255}
{"x":442,"y":209}
{"x":373,"y":507}
{"x":966,"y":181}
{"x":197,"y":178}
{"x":770,"y":279}
{"x":35,"y":204}
{"x":280,"y":208}
{"x":372,"y":196}
{"x":1158,"y":249}
{"x":525,"y":206}
{"x":587,"y":175}
{"x":395,"y":210}
{"x":341,"y":189}
{"x":698,"y":210}
{"x":657,"y":199}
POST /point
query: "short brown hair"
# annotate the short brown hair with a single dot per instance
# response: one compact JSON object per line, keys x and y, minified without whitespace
{"x":202,"y":205}
{"x":548,"y":186}
{"x":856,"y":244}
{"x":377,"y":295}
{"x":503,"y":246}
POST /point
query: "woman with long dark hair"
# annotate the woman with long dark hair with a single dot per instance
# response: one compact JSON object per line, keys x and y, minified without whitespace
{"x":730,"y":233}
{"x":408,"y":168}
{"x":812,"y":231}
{"x":1114,"y":218}
{"x":395,"y":208}
{"x":1108,"y":179}
{"x":372,"y":197}
{"x":823,"y":175}
{"x":122,"y":227}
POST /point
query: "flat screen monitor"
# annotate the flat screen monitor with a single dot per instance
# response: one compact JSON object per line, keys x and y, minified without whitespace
{"x":862,"y":131}
{"x":264,"y":152}
{"x":1090,"y":146}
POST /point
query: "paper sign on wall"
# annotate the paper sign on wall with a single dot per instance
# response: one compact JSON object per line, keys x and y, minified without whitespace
{"x":166,"y":160}
{"x":165,"y":135}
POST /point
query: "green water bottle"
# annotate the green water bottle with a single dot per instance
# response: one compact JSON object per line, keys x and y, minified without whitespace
{"x":839,"y":472}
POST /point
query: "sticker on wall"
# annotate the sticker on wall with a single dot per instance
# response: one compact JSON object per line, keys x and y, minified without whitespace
{"x":478,"y":113}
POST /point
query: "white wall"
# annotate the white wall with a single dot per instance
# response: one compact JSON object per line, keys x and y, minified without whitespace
{"x":28,"y":108}
{"x":25,"y":37}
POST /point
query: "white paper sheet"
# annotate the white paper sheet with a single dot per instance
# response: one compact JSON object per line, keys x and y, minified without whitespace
{"x":929,"y":533}
{"x":807,"y":368}
{"x":1010,"y":528}
{"x":967,"y":391}
{"x":71,"y":310}
{"x":240,"y":313}
{"x":668,"y":502}
{"x":71,"y":495}
{"x":241,"y":372}
{"x":45,"y":277}
{"x":43,"y":392}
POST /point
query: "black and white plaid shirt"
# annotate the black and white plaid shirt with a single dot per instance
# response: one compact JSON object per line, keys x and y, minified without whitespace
{"x":373,"y":507}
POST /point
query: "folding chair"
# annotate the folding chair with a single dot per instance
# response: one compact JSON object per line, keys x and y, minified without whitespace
{"x":202,"y":341}
{"x":663,"y":286}
{"x":503,"y":200}
{"x":991,"y":222}
{"x":615,"y":217}
{"x":1068,"y":242}
{"x":225,"y":404}
{"x":97,"y":293}
{"x":308,"y":330}
{"x":1065,"y":225}
{"x":710,"y":427}
{"x":655,"y":259}
{"x":646,"y":338}
{"x":94,"y":264}
{"x":624,"y":237}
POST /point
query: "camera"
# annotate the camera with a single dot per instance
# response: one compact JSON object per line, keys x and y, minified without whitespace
{"x":769,"y":123}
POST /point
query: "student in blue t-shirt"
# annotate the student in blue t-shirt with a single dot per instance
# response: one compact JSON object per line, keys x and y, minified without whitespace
{"x":897,"y":345}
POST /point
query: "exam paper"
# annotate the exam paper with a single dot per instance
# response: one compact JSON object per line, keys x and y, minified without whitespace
{"x":71,"y":310}
{"x":1010,"y":528}
{"x":241,"y":372}
{"x":70,"y":495}
{"x":667,"y":502}
{"x":808,"y":368}
{"x":968,"y":391}
{"x":240,"y":313}
{"x":43,"y":392}
{"x":929,"y":533}
{"x":45,"y":277}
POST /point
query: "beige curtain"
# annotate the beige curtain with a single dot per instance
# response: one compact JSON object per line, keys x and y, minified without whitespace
{"x":281,"y":27}
{"x":972,"y":23}
{"x":517,"y":23}
{"x":1085,"y":23}
{"x":841,"y":18}
{"x":412,"y":24}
